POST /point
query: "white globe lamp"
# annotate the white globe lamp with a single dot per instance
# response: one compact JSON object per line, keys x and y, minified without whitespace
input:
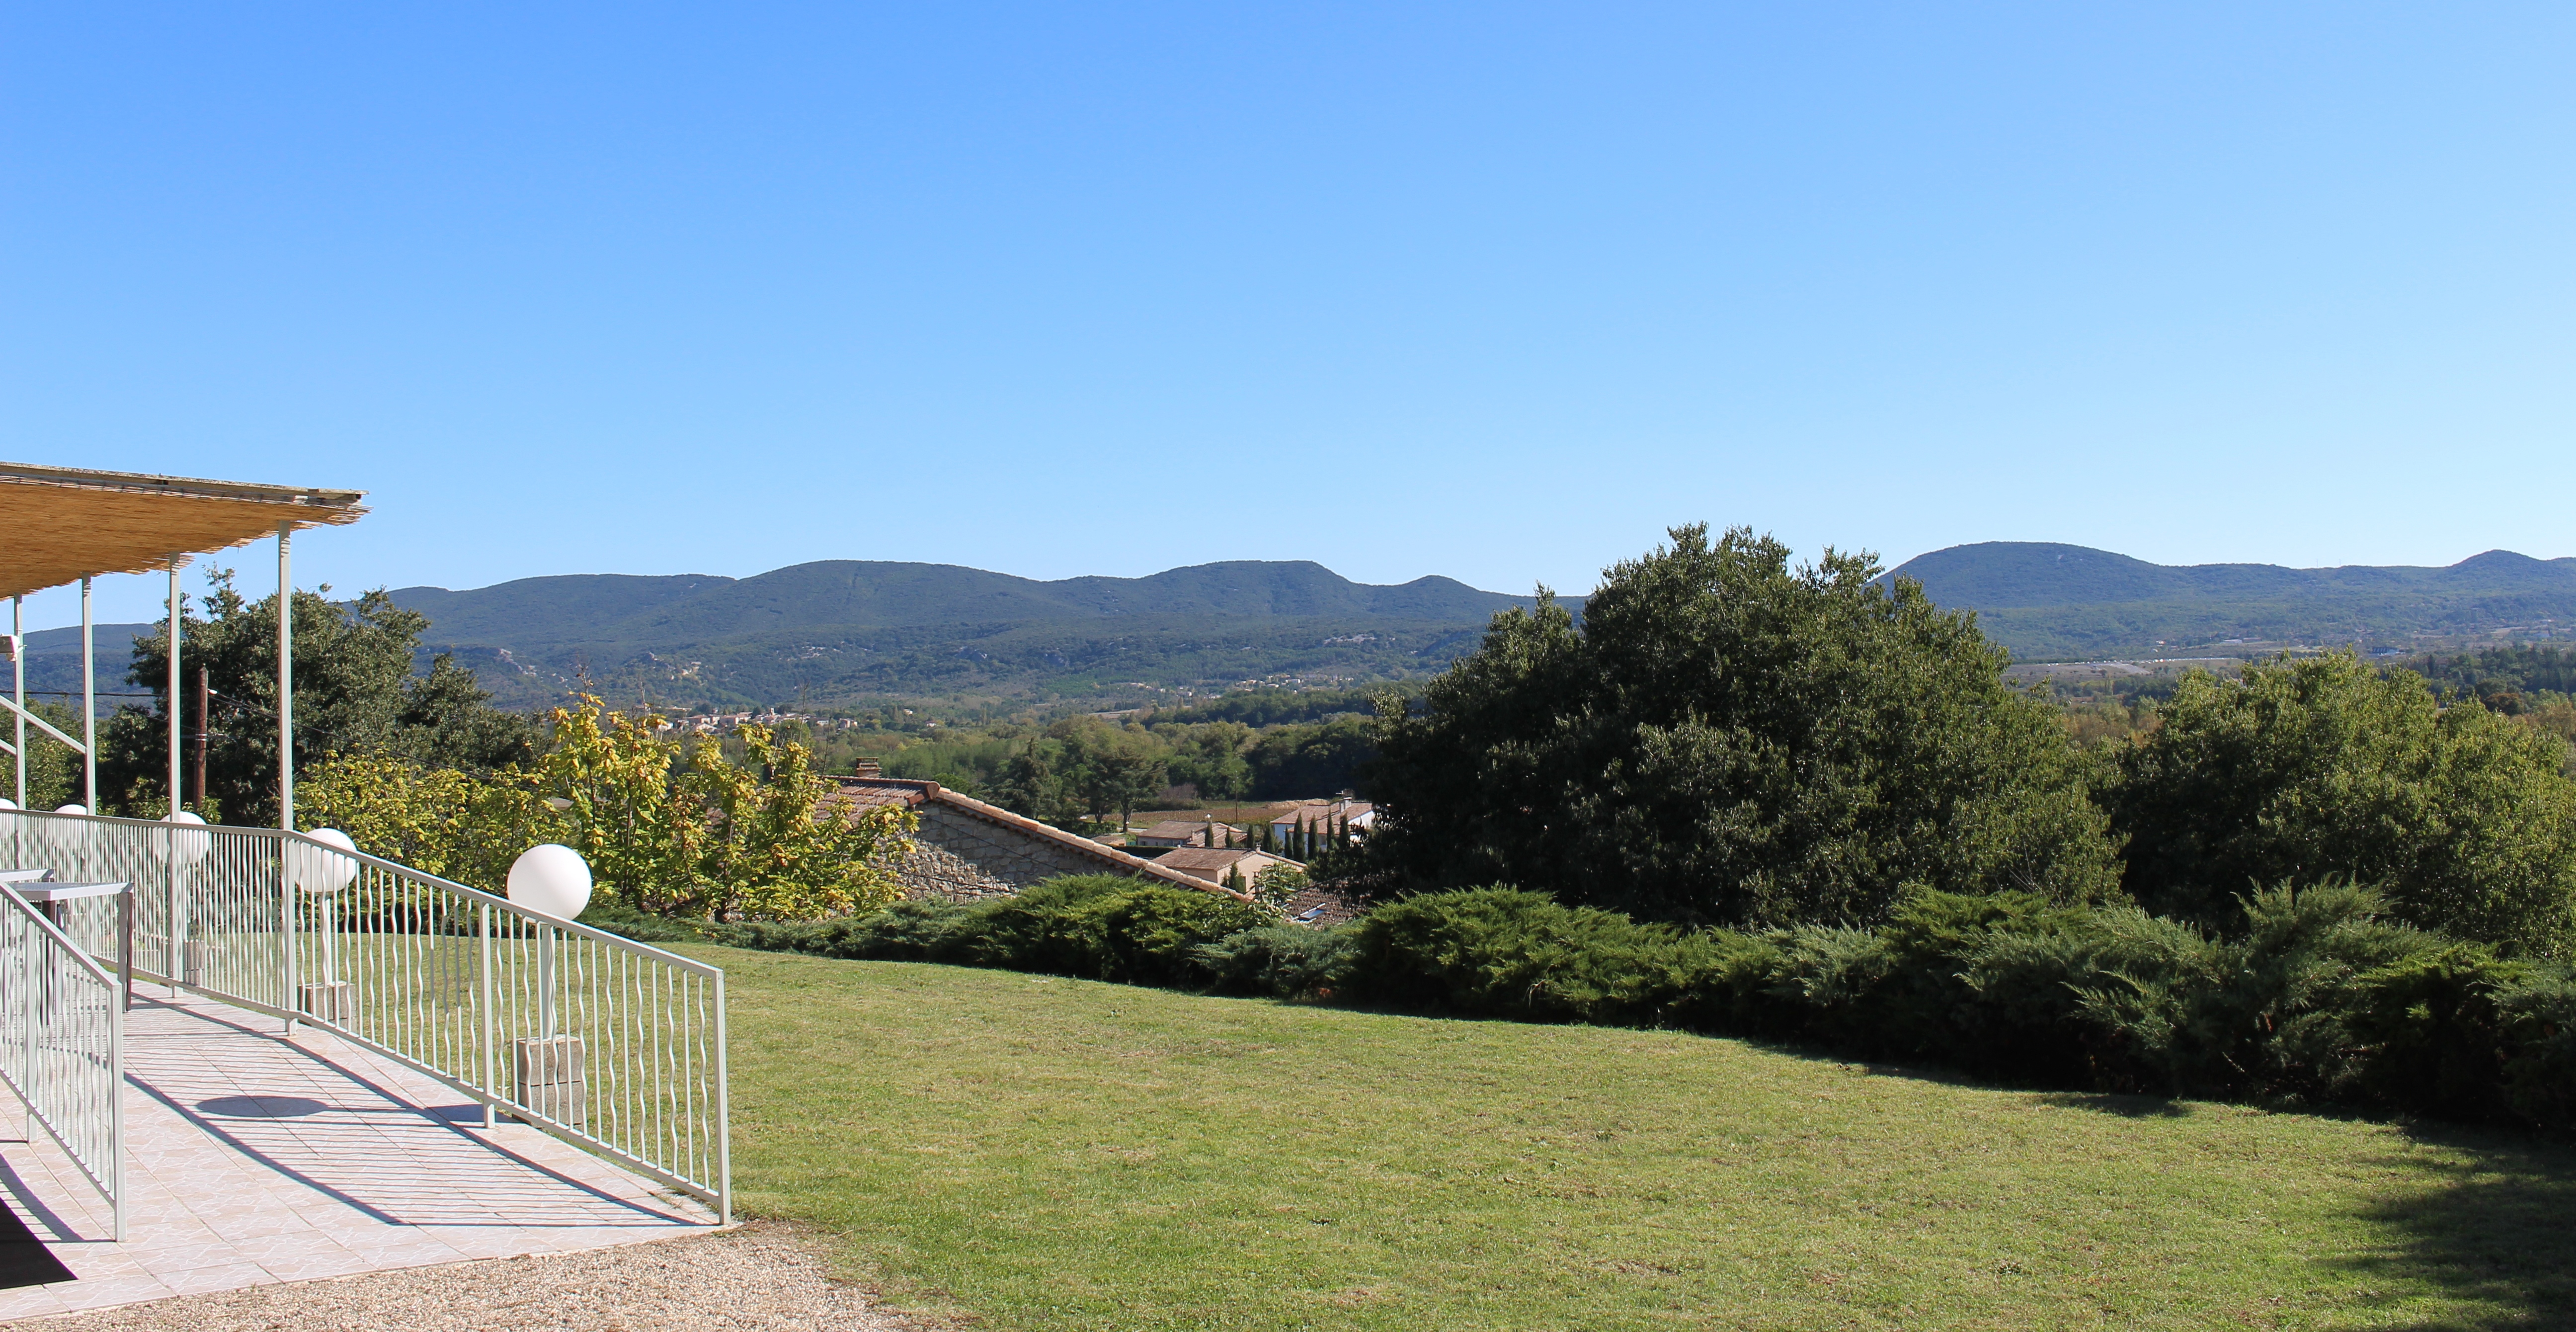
{"x":190,"y":848}
{"x":320,"y":871}
{"x":73,"y":809}
{"x":551,"y":880}
{"x":7,"y":803}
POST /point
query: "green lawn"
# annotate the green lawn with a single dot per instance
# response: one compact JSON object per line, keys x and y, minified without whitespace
{"x":1045,"y":1153}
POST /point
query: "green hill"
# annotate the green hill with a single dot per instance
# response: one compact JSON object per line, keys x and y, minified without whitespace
{"x":2052,"y":602}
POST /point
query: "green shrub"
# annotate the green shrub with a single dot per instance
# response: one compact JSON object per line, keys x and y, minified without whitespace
{"x":1505,"y":952}
{"x":903,"y":932}
{"x":2537,"y":1012}
{"x":2311,"y":997}
{"x":2433,"y":1030}
{"x":1102,"y":926}
{"x":2265,"y":1016}
{"x":1282,"y":961}
{"x":1108,"y":927}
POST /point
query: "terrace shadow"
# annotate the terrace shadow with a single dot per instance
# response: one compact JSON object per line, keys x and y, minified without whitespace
{"x":2492,"y":1232}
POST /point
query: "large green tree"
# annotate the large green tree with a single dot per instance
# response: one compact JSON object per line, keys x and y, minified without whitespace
{"x":355,"y":694}
{"x":1210,"y":756}
{"x":1296,"y":762}
{"x":1727,"y":739}
{"x":2302,"y":770}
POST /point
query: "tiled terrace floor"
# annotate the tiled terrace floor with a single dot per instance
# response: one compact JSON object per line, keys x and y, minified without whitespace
{"x":255,"y":1159}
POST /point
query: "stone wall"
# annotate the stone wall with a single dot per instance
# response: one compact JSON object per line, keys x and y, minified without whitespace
{"x":929,"y":873}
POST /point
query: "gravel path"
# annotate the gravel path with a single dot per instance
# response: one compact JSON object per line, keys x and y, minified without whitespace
{"x":756,"y":1277}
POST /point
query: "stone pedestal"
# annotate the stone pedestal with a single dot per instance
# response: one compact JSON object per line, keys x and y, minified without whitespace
{"x":550,"y":1078}
{"x":331,"y":1001}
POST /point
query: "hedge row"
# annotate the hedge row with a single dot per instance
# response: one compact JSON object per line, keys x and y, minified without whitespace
{"x":2315,"y":1000}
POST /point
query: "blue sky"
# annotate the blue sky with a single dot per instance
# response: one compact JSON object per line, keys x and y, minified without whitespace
{"x":1479,"y":290}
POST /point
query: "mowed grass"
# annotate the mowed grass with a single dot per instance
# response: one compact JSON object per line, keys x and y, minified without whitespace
{"x":1028,"y":1152}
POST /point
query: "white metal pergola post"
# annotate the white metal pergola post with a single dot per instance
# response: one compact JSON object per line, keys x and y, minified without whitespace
{"x":285,"y":681}
{"x":89,"y":705}
{"x":18,"y":689}
{"x":177,"y":562}
{"x":175,"y":913}
{"x":286,"y":899}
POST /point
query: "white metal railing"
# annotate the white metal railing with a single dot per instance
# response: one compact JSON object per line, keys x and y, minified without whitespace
{"x":612,"y":1045}
{"x":62,"y":1043}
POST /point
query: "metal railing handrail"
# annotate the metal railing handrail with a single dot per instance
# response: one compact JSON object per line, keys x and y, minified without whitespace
{"x":396,"y":867}
{"x":613,"y":1045}
{"x":108,"y":1176}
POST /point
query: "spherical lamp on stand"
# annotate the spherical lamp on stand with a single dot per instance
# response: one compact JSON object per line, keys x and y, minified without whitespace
{"x":188,"y":846}
{"x":552,"y":882}
{"x":321,"y":872}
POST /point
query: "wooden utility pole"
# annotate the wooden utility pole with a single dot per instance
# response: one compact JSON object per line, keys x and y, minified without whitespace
{"x":205,"y":723}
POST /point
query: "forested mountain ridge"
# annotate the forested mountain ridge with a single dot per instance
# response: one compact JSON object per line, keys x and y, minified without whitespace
{"x":876,"y":594}
{"x":2045,"y":600}
{"x":837,"y":630}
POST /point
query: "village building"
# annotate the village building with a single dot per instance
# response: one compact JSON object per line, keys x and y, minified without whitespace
{"x":1316,"y":824}
{"x":1213,"y":864}
{"x":1172,"y":833}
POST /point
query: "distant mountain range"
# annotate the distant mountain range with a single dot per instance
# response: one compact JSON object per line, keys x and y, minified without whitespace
{"x":838,"y":631}
{"x":2055,"y":602}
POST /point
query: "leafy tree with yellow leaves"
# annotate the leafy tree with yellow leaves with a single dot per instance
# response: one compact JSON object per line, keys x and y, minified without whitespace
{"x":668,"y":828}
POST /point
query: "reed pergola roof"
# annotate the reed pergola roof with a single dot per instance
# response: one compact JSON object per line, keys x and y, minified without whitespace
{"x":61,"y":524}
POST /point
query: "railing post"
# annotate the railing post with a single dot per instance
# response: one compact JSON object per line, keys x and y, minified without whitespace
{"x":173,"y":920}
{"x":116,"y":1067}
{"x":491,"y":1070}
{"x":724,"y":1115}
{"x":27,"y":984}
{"x":286,"y":921}
{"x":125,"y":949}
{"x":545,"y":981}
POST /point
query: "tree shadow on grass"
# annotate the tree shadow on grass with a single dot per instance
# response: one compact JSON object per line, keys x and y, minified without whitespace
{"x":2124,"y":1106}
{"x":2493,"y":1228}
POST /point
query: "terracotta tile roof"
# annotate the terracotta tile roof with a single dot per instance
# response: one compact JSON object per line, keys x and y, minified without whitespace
{"x":1318,"y":811}
{"x":1175,"y":832}
{"x":1211,"y":864}
{"x":872,"y":792}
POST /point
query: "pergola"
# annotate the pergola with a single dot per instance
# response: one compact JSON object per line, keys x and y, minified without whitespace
{"x":68,"y":524}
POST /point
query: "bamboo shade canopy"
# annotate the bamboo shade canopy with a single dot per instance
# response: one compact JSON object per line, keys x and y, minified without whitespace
{"x":61,"y":524}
